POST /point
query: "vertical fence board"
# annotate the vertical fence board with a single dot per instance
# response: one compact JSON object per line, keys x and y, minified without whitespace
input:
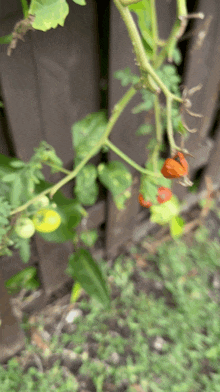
{"x":19,"y":89}
{"x":212,"y":167}
{"x":202,"y":66}
{"x":49,"y":82}
{"x":11,"y":336}
{"x":68,"y":73}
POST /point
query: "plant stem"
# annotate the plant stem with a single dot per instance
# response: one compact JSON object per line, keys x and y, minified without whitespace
{"x":154,"y":27}
{"x":60,"y":169}
{"x":129,"y":160}
{"x":174,"y":35}
{"x":181,"y":8}
{"x":170,"y":127}
{"x":139,"y":49}
{"x":125,"y":3}
{"x":170,"y":44}
{"x":158,"y":131}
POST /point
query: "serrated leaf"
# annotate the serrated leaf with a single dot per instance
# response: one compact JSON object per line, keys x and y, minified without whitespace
{"x":48,"y":13}
{"x":117,"y":179}
{"x":86,"y":188}
{"x":143,"y":106}
{"x":126,"y":77}
{"x":176,"y":227}
{"x":86,"y":271}
{"x":86,"y":133}
{"x":144,"y":129}
{"x":89,"y":237}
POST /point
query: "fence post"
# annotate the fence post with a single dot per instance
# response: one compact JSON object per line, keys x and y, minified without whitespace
{"x":11,"y":336}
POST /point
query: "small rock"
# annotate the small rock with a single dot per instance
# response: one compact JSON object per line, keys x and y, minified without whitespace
{"x":158,"y":343}
{"x":72,"y":315}
{"x":114,"y":358}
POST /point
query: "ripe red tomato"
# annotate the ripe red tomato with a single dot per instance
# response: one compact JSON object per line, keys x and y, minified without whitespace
{"x":175,"y":167}
{"x":164,"y":194}
{"x":144,"y":203}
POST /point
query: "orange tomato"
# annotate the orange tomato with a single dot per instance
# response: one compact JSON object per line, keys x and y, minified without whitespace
{"x":175,"y":167}
{"x":144,"y":203}
{"x":164,"y":194}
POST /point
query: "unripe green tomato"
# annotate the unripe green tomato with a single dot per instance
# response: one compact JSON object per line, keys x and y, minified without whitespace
{"x":43,"y":201}
{"x":24,"y":228}
{"x":46,"y":220}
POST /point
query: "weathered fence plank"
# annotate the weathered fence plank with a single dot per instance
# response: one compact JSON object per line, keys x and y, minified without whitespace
{"x":49,"y":82}
{"x":202,"y":66}
{"x":11,"y":336}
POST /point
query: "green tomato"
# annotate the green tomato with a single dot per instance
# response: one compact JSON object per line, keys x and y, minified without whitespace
{"x":24,"y":228}
{"x":46,"y":220}
{"x":43,"y":201}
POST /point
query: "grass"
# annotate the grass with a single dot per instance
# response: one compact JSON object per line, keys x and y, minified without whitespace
{"x":164,"y":339}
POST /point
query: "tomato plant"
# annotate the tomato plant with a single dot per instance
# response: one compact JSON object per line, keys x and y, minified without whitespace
{"x":20,"y":180}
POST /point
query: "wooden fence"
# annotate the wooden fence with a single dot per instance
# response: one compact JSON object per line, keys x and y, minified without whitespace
{"x":54,"y":79}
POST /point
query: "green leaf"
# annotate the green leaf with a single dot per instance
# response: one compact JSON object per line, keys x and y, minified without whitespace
{"x":80,"y":2}
{"x":86,"y":133}
{"x":24,"y":249}
{"x":177,"y":56}
{"x":126,"y":77}
{"x":17,"y":164}
{"x":25,"y":7}
{"x":9,"y":177}
{"x":148,"y":189}
{"x":89,"y":275}
{"x":147,"y":104}
{"x":168,"y":74}
{"x":86,"y":188}
{"x":75,"y":293}
{"x":176,"y":226}
{"x":143,"y":12}
{"x":143,"y":106}
{"x":144,"y":129}
{"x":117,"y":179}
{"x":16,"y":192}
{"x":164,"y":213}
{"x":6,"y":39}
{"x":23,"y":279}
{"x":48,"y":13}
{"x":89,"y":237}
